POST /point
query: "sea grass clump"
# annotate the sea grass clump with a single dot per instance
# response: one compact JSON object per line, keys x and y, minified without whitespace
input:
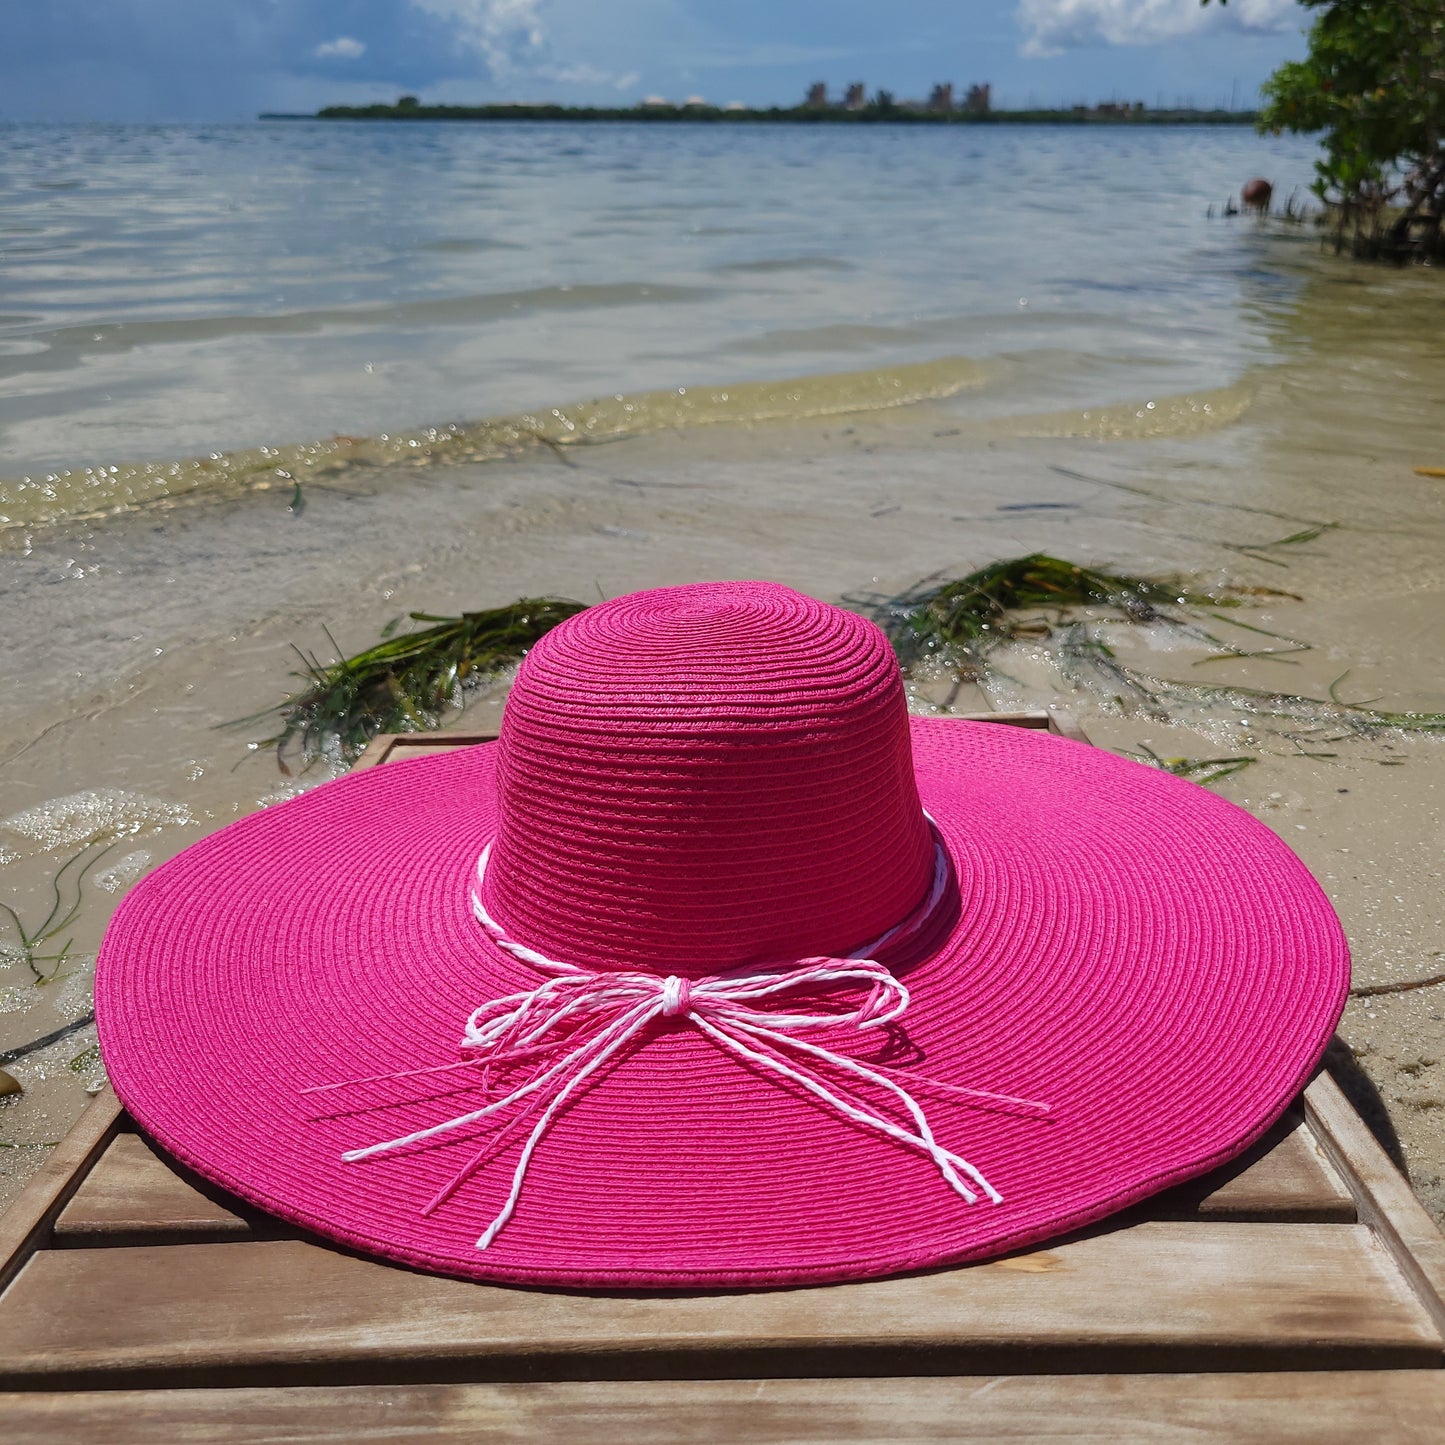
{"x":964,"y":619}
{"x":410,"y":682}
{"x":1196,"y":770}
{"x":1038,"y":597}
{"x":406,"y":683}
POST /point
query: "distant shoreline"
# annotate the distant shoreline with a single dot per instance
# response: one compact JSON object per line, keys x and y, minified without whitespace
{"x":793,"y":115}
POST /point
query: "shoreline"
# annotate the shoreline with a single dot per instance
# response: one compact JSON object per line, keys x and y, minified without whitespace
{"x":91,"y":493}
{"x":773,"y":115}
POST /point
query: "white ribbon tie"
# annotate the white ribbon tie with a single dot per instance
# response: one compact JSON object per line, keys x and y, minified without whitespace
{"x":577,"y":1021}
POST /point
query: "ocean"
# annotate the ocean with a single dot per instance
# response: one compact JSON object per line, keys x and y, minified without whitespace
{"x":170,"y":293}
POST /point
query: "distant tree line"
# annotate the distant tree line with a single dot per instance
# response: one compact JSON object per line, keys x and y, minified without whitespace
{"x":881,"y":108}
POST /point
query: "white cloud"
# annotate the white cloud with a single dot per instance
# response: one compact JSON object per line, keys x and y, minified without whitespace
{"x":512,"y":39}
{"x":590,"y":75}
{"x":770,"y":53}
{"x":1053,"y":26}
{"x":342,"y":48}
{"x":507,"y":34}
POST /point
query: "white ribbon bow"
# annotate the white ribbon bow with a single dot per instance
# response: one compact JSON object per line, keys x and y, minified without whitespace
{"x":590,"y":1018}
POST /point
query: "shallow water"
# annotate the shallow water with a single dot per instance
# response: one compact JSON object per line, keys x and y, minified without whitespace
{"x":829,"y":382}
{"x":173,"y":292}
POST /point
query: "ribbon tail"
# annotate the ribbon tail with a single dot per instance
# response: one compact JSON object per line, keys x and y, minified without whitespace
{"x":499,"y":1141}
{"x":634,"y":1021}
{"x":946,"y":1160}
{"x":532,"y":1086}
{"x":384,"y":1078}
{"x":1009,"y":1103}
{"x":480,"y":1159}
{"x":947,"y":1163}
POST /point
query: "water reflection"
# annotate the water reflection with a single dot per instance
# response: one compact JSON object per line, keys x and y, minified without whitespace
{"x":202,"y":241}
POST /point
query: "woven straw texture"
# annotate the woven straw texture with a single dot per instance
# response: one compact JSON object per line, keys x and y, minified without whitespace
{"x":689,"y":780}
{"x":699,"y":777}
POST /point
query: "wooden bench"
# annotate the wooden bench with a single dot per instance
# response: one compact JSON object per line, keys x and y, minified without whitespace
{"x":1298,"y":1294}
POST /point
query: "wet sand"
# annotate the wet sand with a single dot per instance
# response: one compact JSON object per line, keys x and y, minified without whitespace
{"x":172,"y":621}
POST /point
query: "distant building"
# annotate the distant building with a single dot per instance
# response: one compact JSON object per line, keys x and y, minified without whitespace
{"x":734,"y":105}
{"x":694,"y":102}
{"x":940,"y":98}
{"x":1111,"y":109}
{"x":656,"y":102}
{"x":979,"y":99}
{"x":855,"y":98}
{"x":817,"y":95}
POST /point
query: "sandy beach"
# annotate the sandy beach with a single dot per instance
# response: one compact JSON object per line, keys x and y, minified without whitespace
{"x":174,"y":620}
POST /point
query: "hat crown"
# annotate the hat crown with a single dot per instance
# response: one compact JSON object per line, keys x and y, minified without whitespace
{"x":696,"y":778}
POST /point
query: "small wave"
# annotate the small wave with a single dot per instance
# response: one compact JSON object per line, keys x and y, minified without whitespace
{"x":66,"y":346}
{"x":787,"y":263}
{"x":838,"y":337}
{"x":1187,"y":414}
{"x":466,"y":244}
{"x":98,"y":813}
{"x":86,"y":493}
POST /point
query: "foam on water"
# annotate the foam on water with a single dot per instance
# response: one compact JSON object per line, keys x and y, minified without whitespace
{"x":122,"y":873}
{"x":103,"y":489}
{"x":1185,"y":415}
{"x":93,"y":814}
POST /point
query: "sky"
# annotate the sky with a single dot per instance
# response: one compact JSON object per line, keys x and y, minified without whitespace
{"x":222,"y":60}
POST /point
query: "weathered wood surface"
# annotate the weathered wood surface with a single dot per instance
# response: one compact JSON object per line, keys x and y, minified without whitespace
{"x":1405,"y":1407}
{"x":389,"y":747}
{"x":1158,"y":1295}
{"x":133,"y":1195}
{"x":26,"y":1225}
{"x":1284,"y":1178}
{"x":1383,"y":1196}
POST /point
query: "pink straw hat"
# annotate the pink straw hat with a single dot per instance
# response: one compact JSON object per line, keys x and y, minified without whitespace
{"x":717,"y":969}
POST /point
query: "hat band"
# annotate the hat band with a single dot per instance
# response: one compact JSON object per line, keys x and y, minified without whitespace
{"x":577,"y":1020}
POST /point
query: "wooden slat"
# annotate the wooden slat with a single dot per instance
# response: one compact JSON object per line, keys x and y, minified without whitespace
{"x":389,"y":747}
{"x":374,"y":752}
{"x":133,"y":1195}
{"x":1385,"y":1200}
{"x":1284,"y":1177}
{"x":25,"y":1225}
{"x":1034,"y":717}
{"x":1405,"y":1407}
{"x":1062,"y":721}
{"x":1155,"y":1296}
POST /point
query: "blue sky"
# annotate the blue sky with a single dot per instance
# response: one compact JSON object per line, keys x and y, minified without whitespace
{"x":228,"y":59}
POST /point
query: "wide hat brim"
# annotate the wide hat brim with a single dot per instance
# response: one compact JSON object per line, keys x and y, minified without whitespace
{"x":1136,"y":952}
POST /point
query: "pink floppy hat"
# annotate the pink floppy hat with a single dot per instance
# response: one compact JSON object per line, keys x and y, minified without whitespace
{"x":718,"y":969}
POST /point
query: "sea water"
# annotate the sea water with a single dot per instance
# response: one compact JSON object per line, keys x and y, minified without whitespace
{"x":170,"y":293}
